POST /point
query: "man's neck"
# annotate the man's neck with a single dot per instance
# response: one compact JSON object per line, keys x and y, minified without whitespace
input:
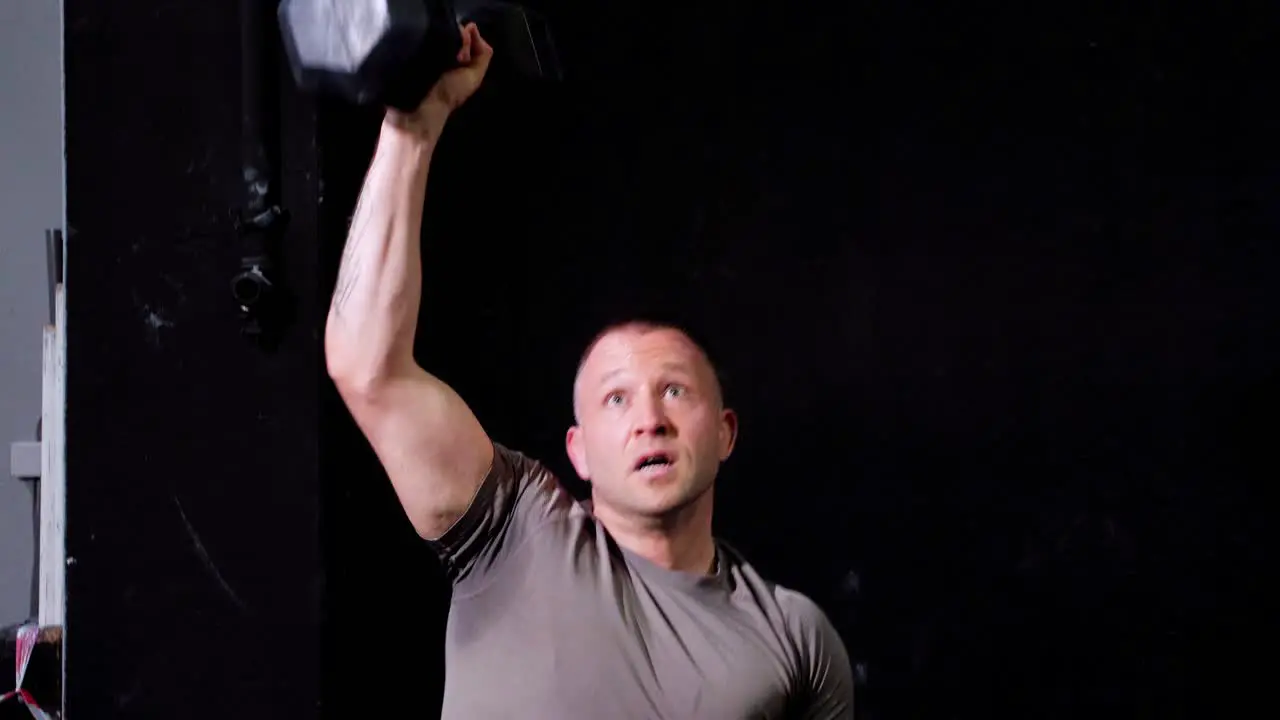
{"x":691,"y":555}
{"x":683,"y":542}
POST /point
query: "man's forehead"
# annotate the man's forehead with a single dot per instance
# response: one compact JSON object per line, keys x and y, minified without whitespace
{"x":623,"y":348}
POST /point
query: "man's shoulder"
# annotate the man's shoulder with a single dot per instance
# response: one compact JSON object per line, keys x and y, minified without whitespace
{"x":515,"y":509}
{"x":507,"y":459}
{"x":522,"y":471}
{"x":799,"y":611}
{"x":803,"y":613}
{"x":555,"y":511}
{"x":823,"y":671}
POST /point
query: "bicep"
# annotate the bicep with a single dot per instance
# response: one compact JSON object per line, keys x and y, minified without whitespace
{"x":430,"y":444}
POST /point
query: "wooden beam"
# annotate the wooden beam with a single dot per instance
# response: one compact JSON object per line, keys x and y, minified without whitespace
{"x":53,"y":486}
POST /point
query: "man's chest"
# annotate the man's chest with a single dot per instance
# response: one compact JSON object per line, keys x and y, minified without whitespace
{"x":709,"y":661}
{"x":611,"y":647}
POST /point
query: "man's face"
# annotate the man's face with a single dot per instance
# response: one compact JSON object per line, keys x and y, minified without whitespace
{"x":652,"y":430}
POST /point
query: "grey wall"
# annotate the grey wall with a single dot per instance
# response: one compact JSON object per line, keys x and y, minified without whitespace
{"x":31,"y":192}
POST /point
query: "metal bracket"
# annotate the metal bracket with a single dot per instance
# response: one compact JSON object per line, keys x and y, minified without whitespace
{"x":24,"y":459}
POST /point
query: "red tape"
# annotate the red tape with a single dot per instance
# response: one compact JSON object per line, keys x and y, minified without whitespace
{"x":27,"y":635}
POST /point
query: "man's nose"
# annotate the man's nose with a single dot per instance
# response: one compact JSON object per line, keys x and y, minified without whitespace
{"x":652,"y":419}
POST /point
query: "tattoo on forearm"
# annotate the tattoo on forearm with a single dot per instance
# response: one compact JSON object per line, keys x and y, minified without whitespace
{"x":349,"y":268}
{"x":348,"y":275}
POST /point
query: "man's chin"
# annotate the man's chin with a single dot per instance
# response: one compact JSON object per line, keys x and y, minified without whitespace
{"x":659,"y":501}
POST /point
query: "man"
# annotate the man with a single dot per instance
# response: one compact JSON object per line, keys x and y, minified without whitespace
{"x":622,"y":607}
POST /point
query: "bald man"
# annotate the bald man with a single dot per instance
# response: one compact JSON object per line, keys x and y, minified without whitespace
{"x":619,"y":608}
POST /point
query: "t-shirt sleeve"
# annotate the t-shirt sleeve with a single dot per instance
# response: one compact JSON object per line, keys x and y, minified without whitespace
{"x":826,"y":673}
{"x":517,"y":497}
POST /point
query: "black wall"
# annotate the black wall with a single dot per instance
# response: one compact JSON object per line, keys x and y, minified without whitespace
{"x":991,"y":291}
{"x":195,"y":581}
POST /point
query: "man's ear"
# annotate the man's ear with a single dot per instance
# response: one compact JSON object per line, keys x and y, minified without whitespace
{"x":728,"y":433}
{"x":577,"y":453}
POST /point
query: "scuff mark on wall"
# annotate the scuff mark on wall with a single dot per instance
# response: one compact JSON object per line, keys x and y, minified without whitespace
{"x":154,"y":321}
{"x":209,"y":564}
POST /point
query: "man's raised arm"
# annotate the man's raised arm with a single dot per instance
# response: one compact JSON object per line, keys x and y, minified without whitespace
{"x":432,"y":446}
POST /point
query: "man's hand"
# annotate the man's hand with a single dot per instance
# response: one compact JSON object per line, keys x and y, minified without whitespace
{"x":453,"y":88}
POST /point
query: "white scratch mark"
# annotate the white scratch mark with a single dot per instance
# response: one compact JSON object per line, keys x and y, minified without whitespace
{"x":204,"y":556}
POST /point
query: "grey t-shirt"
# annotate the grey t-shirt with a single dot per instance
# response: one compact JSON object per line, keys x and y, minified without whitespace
{"x":552,"y":620}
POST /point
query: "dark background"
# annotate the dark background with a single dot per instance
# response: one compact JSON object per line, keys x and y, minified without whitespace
{"x":990,"y":288}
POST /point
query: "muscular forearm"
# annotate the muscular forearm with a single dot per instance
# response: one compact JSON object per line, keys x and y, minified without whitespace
{"x":374,"y":312}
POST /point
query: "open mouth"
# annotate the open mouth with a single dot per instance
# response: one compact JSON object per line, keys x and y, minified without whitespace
{"x":654,"y":461}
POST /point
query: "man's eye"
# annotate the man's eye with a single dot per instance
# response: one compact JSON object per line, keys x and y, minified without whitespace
{"x":613,"y":399}
{"x":675,"y":391}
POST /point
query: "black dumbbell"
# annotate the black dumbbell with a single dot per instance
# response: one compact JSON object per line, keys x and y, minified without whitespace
{"x":390,"y":52}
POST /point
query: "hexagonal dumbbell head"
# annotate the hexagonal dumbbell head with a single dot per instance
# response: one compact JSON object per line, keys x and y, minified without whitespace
{"x":368,"y":51}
